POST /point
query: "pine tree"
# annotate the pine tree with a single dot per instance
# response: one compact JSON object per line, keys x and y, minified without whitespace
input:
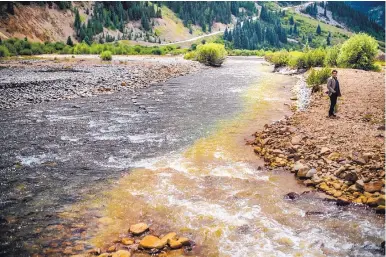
{"x":87,"y":40}
{"x":325,"y":11}
{"x":328,"y":41}
{"x":69,"y":41}
{"x":291,"y":20}
{"x":77,"y":22}
{"x":318,"y":30}
{"x":295,"y":29}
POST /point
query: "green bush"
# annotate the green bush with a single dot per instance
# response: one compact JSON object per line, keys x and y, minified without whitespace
{"x":332,"y":56}
{"x":317,"y":78}
{"x":25,"y":52}
{"x":106,"y":56}
{"x":192,"y":55}
{"x":4,"y":51}
{"x":156,"y":51}
{"x":315,"y":58}
{"x":358,"y":52}
{"x":279,"y":58}
{"x":211,"y":54}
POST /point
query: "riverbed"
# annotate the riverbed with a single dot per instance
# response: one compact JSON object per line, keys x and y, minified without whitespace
{"x":173,"y":155}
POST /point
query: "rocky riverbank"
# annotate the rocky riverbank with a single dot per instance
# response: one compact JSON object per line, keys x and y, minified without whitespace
{"x":34,"y":81}
{"x":343,"y":157}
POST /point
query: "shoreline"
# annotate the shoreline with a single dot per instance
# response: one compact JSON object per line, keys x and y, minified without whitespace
{"x":52,"y":79}
{"x":342,"y":157}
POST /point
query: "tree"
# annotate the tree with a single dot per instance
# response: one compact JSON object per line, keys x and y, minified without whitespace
{"x":291,"y":20}
{"x":145,"y":23}
{"x":295,"y":29}
{"x":328,"y":41}
{"x":69,"y":41}
{"x":77,"y":22}
{"x":318,"y":30}
{"x":87,"y":40}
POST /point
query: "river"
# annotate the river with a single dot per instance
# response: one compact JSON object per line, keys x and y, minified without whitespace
{"x":80,"y":171}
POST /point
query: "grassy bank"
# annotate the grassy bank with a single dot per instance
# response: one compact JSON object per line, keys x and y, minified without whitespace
{"x":14,"y":47}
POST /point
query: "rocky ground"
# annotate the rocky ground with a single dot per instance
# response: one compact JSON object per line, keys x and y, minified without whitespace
{"x":35,"y":81}
{"x":343,"y":157}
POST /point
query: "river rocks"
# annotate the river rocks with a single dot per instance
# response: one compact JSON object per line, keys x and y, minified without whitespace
{"x":333,"y":156}
{"x":359,"y":184}
{"x":304,"y":172}
{"x":296,"y":140}
{"x":127,"y":241}
{"x":47,"y":80}
{"x":151,"y":242}
{"x":351,"y":176}
{"x":139,"y":228}
{"x":332,"y":164}
{"x":299,"y":166}
{"x":373,"y":186}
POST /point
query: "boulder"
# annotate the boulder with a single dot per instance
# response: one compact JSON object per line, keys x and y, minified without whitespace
{"x":306,"y":173}
{"x":311,"y":173}
{"x":359,"y":184}
{"x":151,"y":242}
{"x":351,"y":176}
{"x":299,"y":166}
{"x":372,"y":187}
{"x":139,"y":228}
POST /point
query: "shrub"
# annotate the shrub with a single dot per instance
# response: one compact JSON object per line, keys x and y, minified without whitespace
{"x":279,"y":58}
{"x":332,"y":56}
{"x":25,"y":52}
{"x":156,"y":51}
{"x":190,"y":55}
{"x":106,"y":56}
{"x":315,"y":58}
{"x":317,"y":78}
{"x":211,"y":54}
{"x":4,"y":51}
{"x":358,"y":52}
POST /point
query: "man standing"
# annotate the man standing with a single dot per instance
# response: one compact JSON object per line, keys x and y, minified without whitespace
{"x":333,"y":92}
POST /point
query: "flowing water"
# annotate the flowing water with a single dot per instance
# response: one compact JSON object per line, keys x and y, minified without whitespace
{"x":173,"y":156}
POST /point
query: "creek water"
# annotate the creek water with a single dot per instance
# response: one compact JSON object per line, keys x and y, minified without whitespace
{"x":80,"y":171}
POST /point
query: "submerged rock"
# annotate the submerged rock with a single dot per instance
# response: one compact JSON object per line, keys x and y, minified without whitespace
{"x":150,"y":242}
{"x":292,"y":196}
{"x":139,"y":228}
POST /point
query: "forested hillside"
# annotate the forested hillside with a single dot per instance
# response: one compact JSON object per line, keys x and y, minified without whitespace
{"x":374,"y":10}
{"x":350,"y":17}
{"x":250,"y":25}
